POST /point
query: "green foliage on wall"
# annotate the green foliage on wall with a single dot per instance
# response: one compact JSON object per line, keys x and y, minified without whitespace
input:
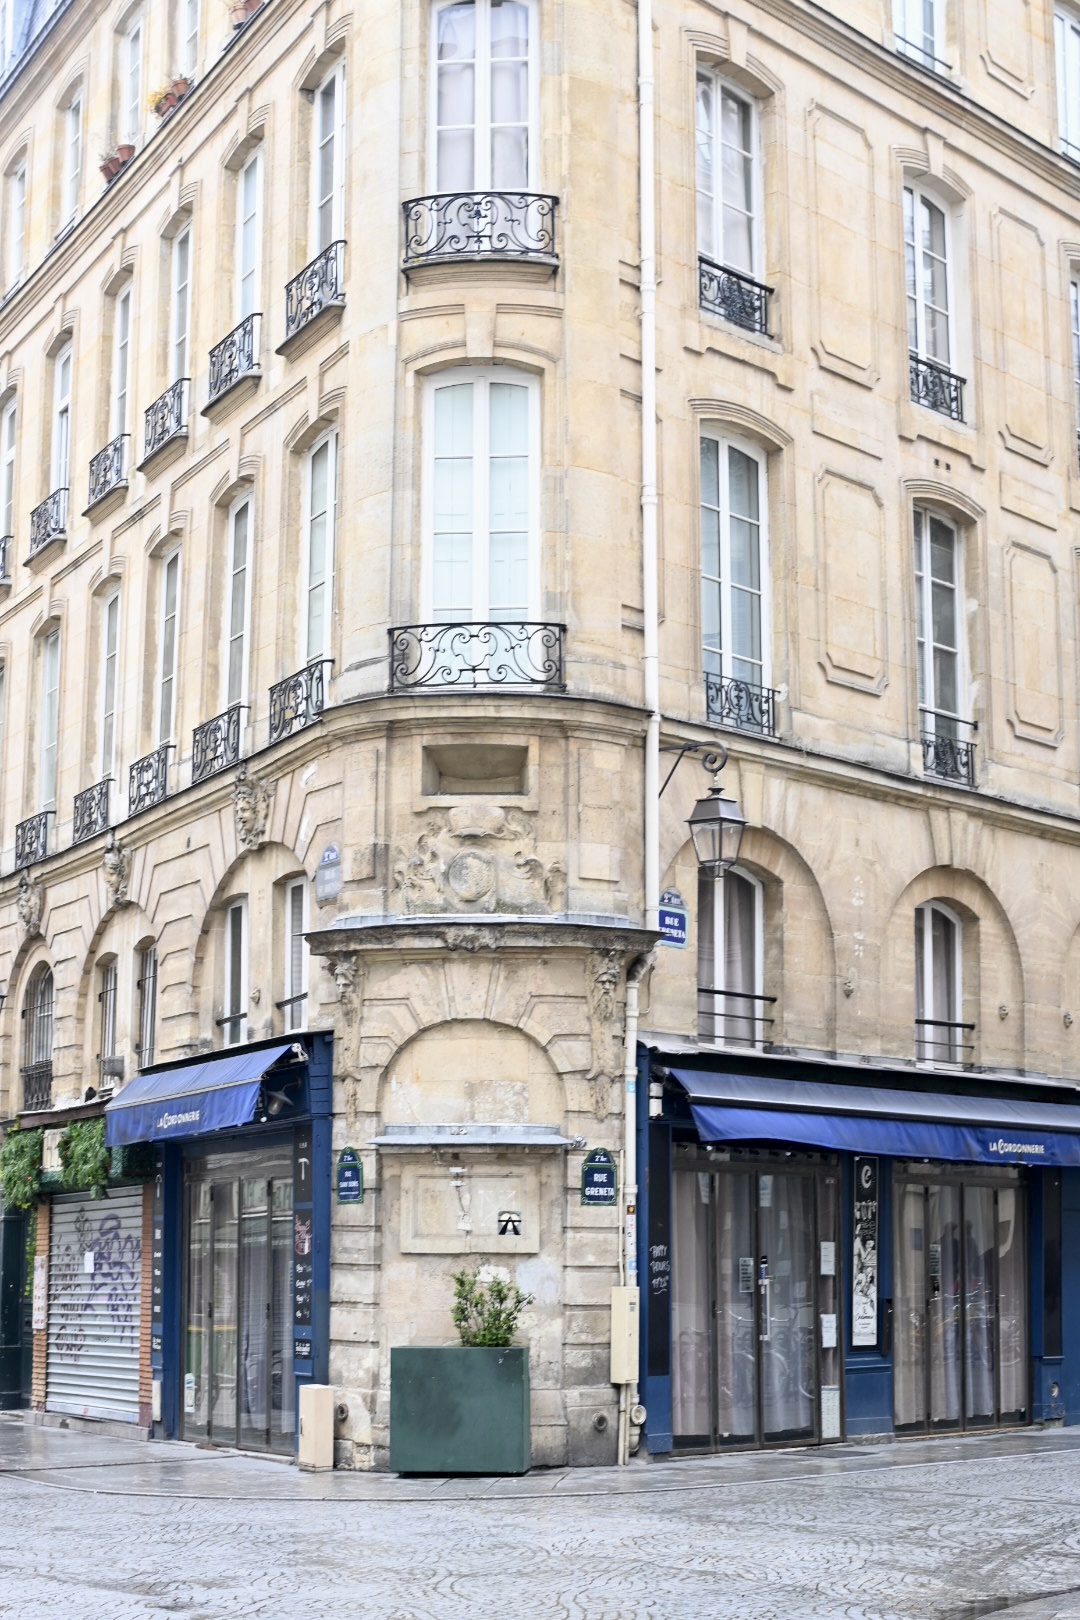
{"x":20,"y":1167}
{"x":84,"y":1158}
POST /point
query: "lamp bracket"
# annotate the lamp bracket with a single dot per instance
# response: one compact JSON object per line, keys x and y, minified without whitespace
{"x":712,"y":759}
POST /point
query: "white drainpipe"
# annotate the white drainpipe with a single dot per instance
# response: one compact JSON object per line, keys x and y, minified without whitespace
{"x":628,"y":1394}
{"x":650,"y":592}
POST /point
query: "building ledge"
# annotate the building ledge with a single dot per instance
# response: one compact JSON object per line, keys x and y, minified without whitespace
{"x":474,"y":1136}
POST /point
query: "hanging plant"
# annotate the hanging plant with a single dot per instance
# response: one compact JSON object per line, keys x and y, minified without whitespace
{"x":84,"y":1158}
{"x":20,"y":1167}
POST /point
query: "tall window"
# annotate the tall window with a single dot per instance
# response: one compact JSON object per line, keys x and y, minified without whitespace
{"x":15,"y":254}
{"x":7,"y":469}
{"x":483,"y":120}
{"x":131,"y":110}
{"x":483,"y":497}
{"x":236,"y":996}
{"x":61,"y":434}
{"x":919,"y":26}
{"x":73,"y":117}
{"x":121,"y":378}
{"x":730,"y":959}
{"x":236,"y":651}
{"x":110,"y":643}
{"x":1074,"y":310}
{"x":248,"y":229}
{"x":147,"y":988}
{"x":107,"y":1017}
{"x":296,"y":954}
{"x":188,"y":23}
{"x":319,"y":551}
{"x":50,"y":719}
{"x":170,"y":628}
{"x":1067,"y":55}
{"x":180,"y":320}
{"x":927,"y":230}
{"x":938,"y":624}
{"x":734,"y":563}
{"x":938,"y":1031}
{"x":328,"y":180}
{"x":38,"y":1019}
{"x":727,"y":181}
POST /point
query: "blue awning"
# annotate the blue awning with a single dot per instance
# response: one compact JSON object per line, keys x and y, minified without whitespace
{"x":211,"y":1094}
{"x":871,"y":1119}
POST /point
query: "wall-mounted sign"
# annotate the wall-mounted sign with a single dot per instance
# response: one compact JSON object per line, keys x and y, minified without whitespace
{"x":40,"y":1307}
{"x":328,"y":874}
{"x":350,"y":1177}
{"x":599,"y":1178}
{"x":509,"y":1223}
{"x":864,"y":1256}
{"x":672,"y":919}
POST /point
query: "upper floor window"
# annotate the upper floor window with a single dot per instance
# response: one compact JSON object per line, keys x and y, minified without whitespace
{"x":121,"y":376}
{"x":169,"y":642}
{"x":15,"y":222}
{"x":147,"y":988}
{"x":483,"y":527}
{"x":727,"y":177}
{"x":248,"y":229}
{"x":1067,"y":57}
{"x":735,"y":582}
{"x":483,"y":120}
{"x":180,"y":303}
{"x":321,"y":509}
{"x":107,"y":1017}
{"x":919,"y":27}
{"x":188,"y":23}
{"x":928,"y":252}
{"x":237,"y":598}
{"x":328,"y":179}
{"x":296,"y":954}
{"x":50,"y":719}
{"x":730,"y":960}
{"x":7,"y":468}
{"x":236,"y":996}
{"x":938,"y":1030}
{"x":946,"y":732}
{"x":61,"y":426}
{"x":38,"y":1019}
{"x":110,"y":650}
{"x":131,"y":108}
{"x":72,"y":146}
{"x":1074,"y":311}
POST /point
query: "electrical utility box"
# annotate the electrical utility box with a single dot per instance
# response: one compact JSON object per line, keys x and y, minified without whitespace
{"x":315,"y":1447}
{"x":625,"y":1320}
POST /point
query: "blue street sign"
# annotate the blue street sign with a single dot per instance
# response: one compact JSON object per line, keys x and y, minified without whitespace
{"x":350,"y":1177}
{"x":672,"y":924}
{"x":599,"y":1178}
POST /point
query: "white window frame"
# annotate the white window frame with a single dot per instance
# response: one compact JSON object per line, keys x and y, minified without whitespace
{"x":721,"y":86}
{"x":39,"y":1015}
{"x":921,"y":194}
{"x":188,"y":23}
{"x":249,"y":272}
{"x":235,"y":1032}
{"x":49,"y":757}
{"x":168,"y":675}
{"x":929,"y":705}
{"x":726,"y":442}
{"x":336,"y":76}
{"x":929,"y":1049}
{"x":16,"y":223}
{"x":481,"y":125}
{"x":147,"y":988}
{"x":110,"y":680}
{"x":1074,"y":314}
{"x":63,"y":374}
{"x":130,"y":121}
{"x":296,"y":985}
{"x":482,"y":377}
{"x":328,"y":441}
{"x":8,"y":423}
{"x":180,"y":305}
{"x":73,"y":144}
{"x":906,"y":26}
{"x":107,"y":981}
{"x":237,"y":637}
{"x":123,"y":307}
{"x":719,"y":1015}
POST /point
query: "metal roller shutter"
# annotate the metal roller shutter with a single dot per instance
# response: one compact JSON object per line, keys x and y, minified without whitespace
{"x":93,"y":1366}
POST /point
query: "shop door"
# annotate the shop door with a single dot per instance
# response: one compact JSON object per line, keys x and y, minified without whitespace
{"x":755,"y":1352}
{"x":960,"y":1305}
{"x":238,"y":1380}
{"x":95,"y":1303}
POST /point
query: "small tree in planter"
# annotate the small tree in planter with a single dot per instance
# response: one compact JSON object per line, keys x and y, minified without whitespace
{"x":487,"y":1306}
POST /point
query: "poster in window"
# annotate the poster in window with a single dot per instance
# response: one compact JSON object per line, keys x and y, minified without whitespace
{"x":864,"y":1258}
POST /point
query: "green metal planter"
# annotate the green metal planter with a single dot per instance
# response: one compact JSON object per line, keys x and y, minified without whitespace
{"x":457,"y":1410}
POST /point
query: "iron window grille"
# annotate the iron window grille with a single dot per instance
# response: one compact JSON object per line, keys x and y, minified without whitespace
{"x":48,"y":521}
{"x":319,"y":286}
{"x":733,"y":296}
{"x":91,"y":811}
{"x":235,"y":357}
{"x":298,"y":700}
{"x":454,"y":225}
{"x":148,"y":779}
{"x":477,"y":655}
{"x":107,"y":472}
{"x":733,"y":1017}
{"x":32,"y":839}
{"x":947,"y":754}
{"x":6,"y":543}
{"x":215,"y":745}
{"x":730,"y":701}
{"x":37,"y":1086}
{"x":936,"y":387}
{"x":167,"y":418}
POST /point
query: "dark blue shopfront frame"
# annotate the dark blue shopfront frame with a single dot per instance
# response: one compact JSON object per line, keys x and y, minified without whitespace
{"x":193,"y":1099}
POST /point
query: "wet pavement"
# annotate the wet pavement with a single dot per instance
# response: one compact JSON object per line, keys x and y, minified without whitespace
{"x":937,"y":1530}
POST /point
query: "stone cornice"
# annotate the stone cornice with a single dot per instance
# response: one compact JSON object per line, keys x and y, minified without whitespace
{"x":398,"y":938}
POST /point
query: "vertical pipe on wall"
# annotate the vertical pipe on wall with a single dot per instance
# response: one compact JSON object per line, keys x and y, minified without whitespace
{"x":649,"y":498}
{"x":628,"y":1250}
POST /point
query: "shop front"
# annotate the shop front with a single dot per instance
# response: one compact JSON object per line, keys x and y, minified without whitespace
{"x":826,"y":1259}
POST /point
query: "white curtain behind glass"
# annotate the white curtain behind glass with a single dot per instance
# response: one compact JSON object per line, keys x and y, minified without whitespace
{"x":482,"y":96}
{"x":725,"y":175}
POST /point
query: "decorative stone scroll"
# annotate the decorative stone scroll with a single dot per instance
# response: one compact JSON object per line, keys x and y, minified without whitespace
{"x":478,"y":858}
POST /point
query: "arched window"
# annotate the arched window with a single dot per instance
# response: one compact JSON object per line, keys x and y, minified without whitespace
{"x":730,"y":1005}
{"x":38,"y":1040}
{"x":938,"y":993}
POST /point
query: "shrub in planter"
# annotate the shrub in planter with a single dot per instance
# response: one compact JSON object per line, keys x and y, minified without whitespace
{"x":487,"y":1307}
{"x":20,"y":1167}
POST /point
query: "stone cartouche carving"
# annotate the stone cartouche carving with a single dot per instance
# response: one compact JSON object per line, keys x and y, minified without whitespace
{"x":468,"y":939}
{"x":479,"y":858}
{"x":251,"y":804}
{"x":603,"y":972}
{"x":116,"y":865}
{"x":30,"y":904}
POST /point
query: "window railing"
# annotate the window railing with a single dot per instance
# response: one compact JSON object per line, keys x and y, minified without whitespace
{"x":166,"y":418}
{"x":32,"y":839}
{"x":36,"y":1086}
{"x":7,"y":541}
{"x":946,"y":754}
{"x":107,"y":470}
{"x":91,"y":811}
{"x":485,"y":655}
{"x":908,"y":47}
{"x":730,"y":701}
{"x":457,"y":225}
{"x":235,"y":357}
{"x":215,"y":745}
{"x":49,"y":520}
{"x":319,"y":286}
{"x":733,"y":296}
{"x":733,"y":1017}
{"x":148,"y":779}
{"x":936,"y":387}
{"x":946,"y":1047}
{"x":298,"y":700}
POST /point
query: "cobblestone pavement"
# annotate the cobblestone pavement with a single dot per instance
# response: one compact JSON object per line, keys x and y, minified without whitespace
{"x":93,"y":1526}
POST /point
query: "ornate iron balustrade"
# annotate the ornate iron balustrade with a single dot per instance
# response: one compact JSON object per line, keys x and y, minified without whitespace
{"x":235,"y":357}
{"x":107,"y":470}
{"x":148,"y":779}
{"x":476,"y":655}
{"x":37,"y":1086}
{"x":733,"y":1017}
{"x":6,"y":543}
{"x":479,"y":225}
{"x":32,"y":839}
{"x":947,"y":755}
{"x":320,"y":285}
{"x":216,"y":743}
{"x":49,"y":520}
{"x":936,"y":387}
{"x":91,"y":811}
{"x":734,"y":296}
{"x":733,"y":702}
{"x":946,"y":1047}
{"x":298,"y":700}
{"x":166,"y":418}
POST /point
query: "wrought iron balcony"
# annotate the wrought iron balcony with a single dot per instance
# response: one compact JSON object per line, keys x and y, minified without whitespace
{"x":319,"y":286}
{"x":6,"y":543}
{"x":939,"y":1040}
{"x":947,"y":754}
{"x":36,"y":1086}
{"x":91,"y":811}
{"x":477,"y":655}
{"x":733,"y":1017}
{"x":235,"y":357}
{"x":734,"y":296}
{"x":479,"y":225}
{"x":733,"y":702}
{"x":216,"y":744}
{"x":166,"y":418}
{"x":48,"y":521}
{"x":298,"y":700}
{"x":936,"y":387}
{"x":148,"y":779}
{"x":107,"y":471}
{"x":32,"y":839}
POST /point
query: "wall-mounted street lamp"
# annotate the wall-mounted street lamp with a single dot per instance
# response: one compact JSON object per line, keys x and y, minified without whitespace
{"x":716,"y":824}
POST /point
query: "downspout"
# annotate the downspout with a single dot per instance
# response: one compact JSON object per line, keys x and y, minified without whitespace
{"x":650,"y":565}
{"x":628,"y":1393}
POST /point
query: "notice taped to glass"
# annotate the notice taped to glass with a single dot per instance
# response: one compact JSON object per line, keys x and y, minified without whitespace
{"x":864,"y":1256}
